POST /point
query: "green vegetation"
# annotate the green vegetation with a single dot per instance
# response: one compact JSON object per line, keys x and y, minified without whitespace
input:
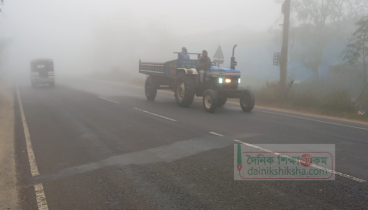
{"x":308,"y":97}
{"x":318,"y":23}
{"x":356,"y":51}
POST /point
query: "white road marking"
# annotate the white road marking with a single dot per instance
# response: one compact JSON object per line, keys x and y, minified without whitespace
{"x":217,"y":134}
{"x":313,"y":165}
{"x":109,"y":100}
{"x":155,"y":114}
{"x":40,"y":194}
{"x":31,"y":156}
{"x":41,"y":198}
{"x":321,"y":121}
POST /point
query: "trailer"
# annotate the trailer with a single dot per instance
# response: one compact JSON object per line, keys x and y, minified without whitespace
{"x":181,"y":76}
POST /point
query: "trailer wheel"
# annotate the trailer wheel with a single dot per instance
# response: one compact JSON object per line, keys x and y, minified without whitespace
{"x":210,"y":101}
{"x":247,"y":101}
{"x":184,"y":91}
{"x":221,"y":101}
{"x":150,"y":88}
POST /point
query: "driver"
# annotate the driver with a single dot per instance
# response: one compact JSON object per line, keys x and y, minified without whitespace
{"x":203,"y":64}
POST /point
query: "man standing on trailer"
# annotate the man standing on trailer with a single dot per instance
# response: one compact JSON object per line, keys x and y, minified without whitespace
{"x":203,"y":64}
{"x":184,"y":53}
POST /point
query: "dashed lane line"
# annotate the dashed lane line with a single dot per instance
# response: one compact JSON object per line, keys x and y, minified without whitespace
{"x":109,"y":100}
{"x":216,"y":134}
{"x":157,"y":115}
{"x":40,"y":193}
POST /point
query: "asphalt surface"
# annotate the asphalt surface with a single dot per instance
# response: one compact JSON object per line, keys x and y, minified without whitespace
{"x":102,"y":145}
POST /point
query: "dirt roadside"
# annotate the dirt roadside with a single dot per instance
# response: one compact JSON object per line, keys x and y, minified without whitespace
{"x":8,"y":193}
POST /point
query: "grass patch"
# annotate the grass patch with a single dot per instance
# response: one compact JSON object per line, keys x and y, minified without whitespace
{"x":309,"y":97}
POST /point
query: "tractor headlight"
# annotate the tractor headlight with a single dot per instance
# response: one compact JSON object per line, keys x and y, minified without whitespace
{"x":220,"y":80}
{"x":227,"y":80}
{"x":239,"y":80}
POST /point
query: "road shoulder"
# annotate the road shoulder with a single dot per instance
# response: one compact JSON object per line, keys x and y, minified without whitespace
{"x":8,"y":182}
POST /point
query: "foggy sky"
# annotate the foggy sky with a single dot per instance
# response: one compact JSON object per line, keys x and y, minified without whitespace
{"x":71,"y":32}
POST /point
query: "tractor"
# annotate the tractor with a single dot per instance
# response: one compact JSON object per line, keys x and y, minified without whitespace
{"x":181,"y":76}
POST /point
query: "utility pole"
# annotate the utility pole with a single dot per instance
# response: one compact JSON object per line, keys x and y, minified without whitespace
{"x":285,"y":43}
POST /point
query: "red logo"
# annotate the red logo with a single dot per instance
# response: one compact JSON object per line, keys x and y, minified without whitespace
{"x":306,"y":160}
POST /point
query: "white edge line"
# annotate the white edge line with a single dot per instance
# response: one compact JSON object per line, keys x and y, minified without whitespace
{"x":304,"y":118}
{"x":40,"y":193}
{"x":349,"y":126}
{"x":313,"y":165}
{"x":40,"y":196}
{"x":217,"y":134}
{"x":109,"y":99}
{"x":155,"y":114}
{"x":31,"y":156}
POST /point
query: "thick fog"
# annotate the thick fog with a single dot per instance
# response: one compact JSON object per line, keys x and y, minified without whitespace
{"x":96,"y":36}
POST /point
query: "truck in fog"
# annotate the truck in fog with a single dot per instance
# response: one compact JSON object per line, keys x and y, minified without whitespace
{"x":42,"y":72}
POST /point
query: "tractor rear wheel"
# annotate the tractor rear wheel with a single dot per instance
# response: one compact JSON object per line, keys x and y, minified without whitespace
{"x":150,"y":88}
{"x":184,"y":91}
{"x":210,"y":101}
{"x":247,"y":101}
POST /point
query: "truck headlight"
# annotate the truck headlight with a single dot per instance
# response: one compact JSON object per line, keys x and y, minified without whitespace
{"x":227,"y":80}
{"x":239,"y":80}
{"x":220,"y":80}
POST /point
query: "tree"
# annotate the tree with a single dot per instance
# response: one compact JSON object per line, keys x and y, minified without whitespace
{"x":316,"y":22}
{"x":357,"y":49}
{"x":1,"y":3}
{"x":4,"y":43}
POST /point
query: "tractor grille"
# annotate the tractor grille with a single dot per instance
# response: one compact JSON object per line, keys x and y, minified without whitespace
{"x":233,"y":85}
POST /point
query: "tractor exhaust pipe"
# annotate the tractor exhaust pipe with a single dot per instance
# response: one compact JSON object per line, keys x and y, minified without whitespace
{"x":233,"y":62}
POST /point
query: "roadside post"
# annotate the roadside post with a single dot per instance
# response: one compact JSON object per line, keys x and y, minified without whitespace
{"x":285,"y":44}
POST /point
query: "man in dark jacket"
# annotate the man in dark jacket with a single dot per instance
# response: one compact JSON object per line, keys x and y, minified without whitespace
{"x":203,"y":64}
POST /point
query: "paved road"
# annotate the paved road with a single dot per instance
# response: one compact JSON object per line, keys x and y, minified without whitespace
{"x":102,"y":145}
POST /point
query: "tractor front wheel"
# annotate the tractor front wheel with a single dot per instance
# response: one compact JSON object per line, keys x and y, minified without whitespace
{"x":210,"y":100}
{"x":247,"y":101}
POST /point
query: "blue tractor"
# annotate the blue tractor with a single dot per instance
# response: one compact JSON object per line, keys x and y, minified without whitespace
{"x":182,"y":77}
